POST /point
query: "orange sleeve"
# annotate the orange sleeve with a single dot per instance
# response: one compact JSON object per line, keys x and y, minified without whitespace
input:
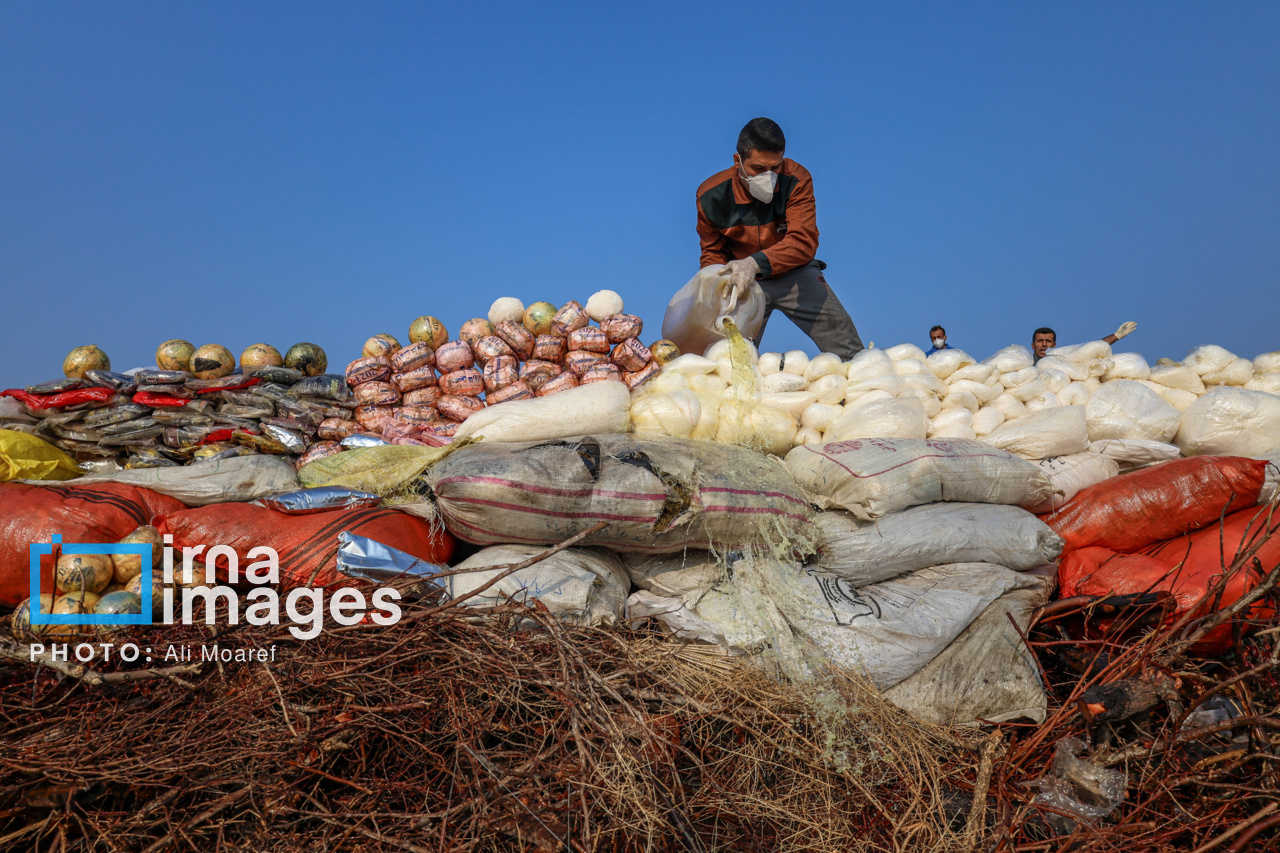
{"x":713,"y":240}
{"x":800,"y":244}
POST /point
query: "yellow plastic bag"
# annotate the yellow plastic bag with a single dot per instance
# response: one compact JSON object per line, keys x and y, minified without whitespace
{"x":25,"y":457}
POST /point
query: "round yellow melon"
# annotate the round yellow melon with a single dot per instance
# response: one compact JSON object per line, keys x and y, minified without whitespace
{"x":82,"y":359}
{"x":664,"y":351}
{"x":128,"y":566}
{"x":475,"y":329}
{"x":380,"y":344}
{"x":21,"y":626}
{"x":157,"y":590}
{"x":309,"y":358}
{"x":175,"y":355}
{"x":428,"y":329}
{"x":76,"y":602}
{"x":212,"y":361}
{"x":538,"y":317}
{"x":258,"y":356}
{"x":83,"y":572}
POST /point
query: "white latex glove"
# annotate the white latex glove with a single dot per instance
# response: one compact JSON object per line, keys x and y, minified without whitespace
{"x":741,"y":275}
{"x":1126,"y":328}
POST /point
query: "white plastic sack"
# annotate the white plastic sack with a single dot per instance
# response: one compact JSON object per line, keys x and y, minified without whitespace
{"x":830,"y":388}
{"x":886,"y":631}
{"x":1082,"y":353}
{"x":1075,"y":394}
{"x":930,"y":402}
{"x":985,"y":674}
{"x":876,"y":477}
{"x":1269,"y":382}
{"x":1009,"y":359}
{"x":1059,"y":431}
{"x":824,"y":364}
{"x":1208,"y":358}
{"x":1230,"y":422}
{"x":1267,"y":362}
{"x":582,"y":586}
{"x":984,"y":392}
{"x":690,"y":364}
{"x":1181,"y":377}
{"x":948,"y":361}
{"x":902,"y":352}
{"x":1238,"y":372}
{"x":1179,"y":399}
{"x":901,"y":417}
{"x":1129,"y":452}
{"x":820,"y":416}
{"x":987,"y":420}
{"x":675,"y":413}
{"x":1047,"y":400}
{"x":1127,"y":409}
{"x":1009,"y":406}
{"x":695,"y":315}
{"x":866,"y":552}
{"x":808,"y":435}
{"x":890,"y":382}
{"x":983,"y":374}
{"x":688,"y":574}
{"x":1070,"y":474}
{"x":782,"y":382}
{"x":794,"y":402}
{"x":950,"y":418}
{"x":235,"y":480}
{"x":1014,"y":378}
{"x":1128,"y":365}
{"x":598,"y":407}
{"x":760,"y":427}
{"x":962,"y":399}
{"x":1074,"y":371}
{"x":869,"y":363}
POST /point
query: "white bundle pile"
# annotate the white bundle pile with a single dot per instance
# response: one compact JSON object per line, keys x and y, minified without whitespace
{"x":1074,"y":396}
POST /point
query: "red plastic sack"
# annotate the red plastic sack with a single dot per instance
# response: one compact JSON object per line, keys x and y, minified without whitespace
{"x":102,"y":512}
{"x":304,"y":543}
{"x":1129,"y":512}
{"x":1202,"y":555}
{"x":58,"y":401}
{"x":150,"y":398}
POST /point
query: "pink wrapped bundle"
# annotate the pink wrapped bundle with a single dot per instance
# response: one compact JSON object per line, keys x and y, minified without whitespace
{"x":588,"y":339}
{"x":418,"y":415}
{"x":421,"y":377}
{"x":514,"y":391}
{"x":336,"y":429}
{"x":549,"y":348}
{"x":428,"y":396}
{"x":377,"y":394}
{"x":373,"y":369}
{"x":601,"y":373}
{"x":501,"y":372}
{"x":467,"y":382}
{"x":619,"y":327}
{"x":371,"y":417}
{"x":563,"y":382}
{"x":491,"y":347}
{"x":637,"y":378}
{"x":570,"y":318}
{"x":395,"y":431}
{"x":319,"y":450}
{"x":413,"y":357}
{"x":631,"y":355}
{"x":459,"y":408}
{"x":580,"y":361}
{"x":444,"y":429}
{"x":473,"y":330}
{"x":454,"y":355}
{"x":535,"y":367}
{"x":517,"y":337}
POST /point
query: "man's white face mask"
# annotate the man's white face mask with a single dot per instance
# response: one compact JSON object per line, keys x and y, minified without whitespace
{"x":762,"y":185}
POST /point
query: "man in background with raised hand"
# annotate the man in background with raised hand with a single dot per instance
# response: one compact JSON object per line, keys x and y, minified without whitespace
{"x":758,"y":218}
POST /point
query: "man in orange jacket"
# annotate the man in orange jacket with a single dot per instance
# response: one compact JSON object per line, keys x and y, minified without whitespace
{"x":758,"y":218}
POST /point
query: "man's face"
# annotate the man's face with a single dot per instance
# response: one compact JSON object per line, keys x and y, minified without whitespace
{"x":758,"y":162}
{"x":1041,"y":343}
{"x":939,"y":339}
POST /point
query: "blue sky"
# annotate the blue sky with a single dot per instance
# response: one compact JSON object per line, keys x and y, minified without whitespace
{"x":233,"y":173}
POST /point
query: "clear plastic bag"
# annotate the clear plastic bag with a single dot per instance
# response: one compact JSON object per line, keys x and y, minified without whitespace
{"x":696,"y":314}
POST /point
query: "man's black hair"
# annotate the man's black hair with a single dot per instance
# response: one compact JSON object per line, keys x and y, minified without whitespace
{"x":761,"y":134}
{"x":1044,"y":330}
{"x":938,"y":329}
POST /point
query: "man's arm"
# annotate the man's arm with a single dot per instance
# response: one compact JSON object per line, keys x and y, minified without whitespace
{"x":800,"y":243}
{"x":714,"y":243}
{"x":1125,"y":328}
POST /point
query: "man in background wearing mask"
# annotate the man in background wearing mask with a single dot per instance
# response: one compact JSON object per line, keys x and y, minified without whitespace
{"x":758,"y":218}
{"x":938,"y":337}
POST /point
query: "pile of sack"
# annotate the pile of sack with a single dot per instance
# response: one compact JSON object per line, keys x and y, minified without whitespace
{"x":1212,"y":402}
{"x":153,"y":418}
